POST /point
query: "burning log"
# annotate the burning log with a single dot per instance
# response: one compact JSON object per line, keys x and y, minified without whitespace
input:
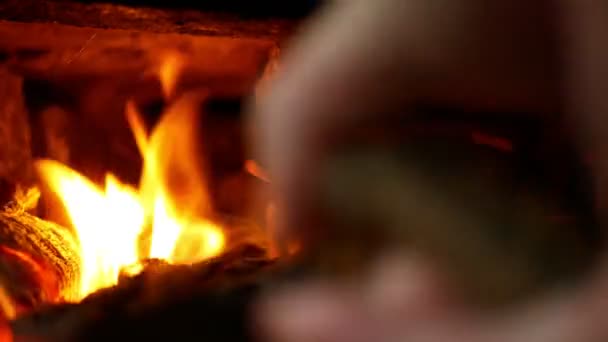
{"x":38,"y":259}
{"x":209,"y":300}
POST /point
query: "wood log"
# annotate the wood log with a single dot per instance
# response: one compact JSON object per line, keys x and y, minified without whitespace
{"x":104,"y":15}
{"x":54,"y":51}
{"x":209,"y":301}
{"x":38,"y":259}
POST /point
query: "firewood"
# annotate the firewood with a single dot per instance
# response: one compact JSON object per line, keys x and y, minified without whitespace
{"x":171,"y":20}
{"x":38,"y":259}
{"x":207,"y":301}
{"x":62,"y":52}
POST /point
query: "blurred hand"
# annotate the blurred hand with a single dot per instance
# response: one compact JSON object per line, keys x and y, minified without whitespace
{"x":402,"y":301}
{"x":360,"y":58}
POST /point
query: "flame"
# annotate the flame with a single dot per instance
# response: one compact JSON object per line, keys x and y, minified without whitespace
{"x":171,"y":67}
{"x":167,"y":217}
{"x":7,"y":306}
{"x":256,"y":170}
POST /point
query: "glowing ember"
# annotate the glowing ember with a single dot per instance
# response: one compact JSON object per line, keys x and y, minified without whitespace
{"x":256,"y":170}
{"x":166,"y":218}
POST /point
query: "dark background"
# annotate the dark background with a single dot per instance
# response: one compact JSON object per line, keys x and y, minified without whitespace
{"x":261,"y":8}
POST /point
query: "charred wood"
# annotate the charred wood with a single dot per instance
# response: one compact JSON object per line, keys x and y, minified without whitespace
{"x":104,"y":15}
{"x":56,"y":51}
{"x":210,"y":301}
{"x":38,"y":259}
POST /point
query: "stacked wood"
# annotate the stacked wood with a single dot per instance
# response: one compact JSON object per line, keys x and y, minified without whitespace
{"x":209,"y":301}
{"x":39,"y":273}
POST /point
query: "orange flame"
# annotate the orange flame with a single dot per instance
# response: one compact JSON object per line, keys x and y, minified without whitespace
{"x":169,"y":211}
{"x":169,"y":72}
{"x":256,"y":170}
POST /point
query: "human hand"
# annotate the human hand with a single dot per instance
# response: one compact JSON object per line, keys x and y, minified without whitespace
{"x":359,"y":59}
{"x":362,"y":58}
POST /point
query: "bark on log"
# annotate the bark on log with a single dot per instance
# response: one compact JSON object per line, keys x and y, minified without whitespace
{"x":208,"y":301}
{"x":38,"y":259}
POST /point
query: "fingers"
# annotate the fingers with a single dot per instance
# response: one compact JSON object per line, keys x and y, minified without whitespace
{"x":570,"y":316}
{"x":402,"y":301}
{"x":400,"y":295}
{"x":316,"y":313}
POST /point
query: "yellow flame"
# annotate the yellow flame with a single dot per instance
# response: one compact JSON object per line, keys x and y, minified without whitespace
{"x":108,"y":222}
{"x":167,"y":232}
{"x":8,"y":308}
{"x":137,"y":127}
{"x":170,"y":209}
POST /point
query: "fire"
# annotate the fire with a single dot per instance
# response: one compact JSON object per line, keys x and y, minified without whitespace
{"x":166,"y":217}
{"x":107,"y":222}
{"x":256,"y":170}
{"x":170,"y":69}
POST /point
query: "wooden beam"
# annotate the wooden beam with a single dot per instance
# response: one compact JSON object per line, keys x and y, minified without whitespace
{"x":144,"y":19}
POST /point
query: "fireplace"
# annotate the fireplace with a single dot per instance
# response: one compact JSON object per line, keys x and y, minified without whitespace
{"x":95,"y":97}
{"x":133,"y":208}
